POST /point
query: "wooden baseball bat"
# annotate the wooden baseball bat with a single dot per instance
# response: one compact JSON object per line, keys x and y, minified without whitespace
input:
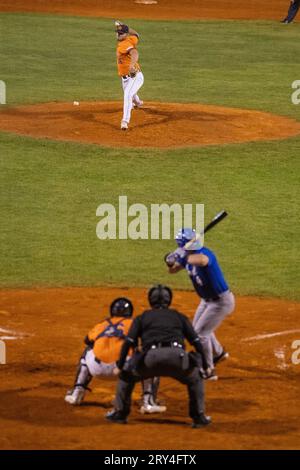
{"x":220,"y":216}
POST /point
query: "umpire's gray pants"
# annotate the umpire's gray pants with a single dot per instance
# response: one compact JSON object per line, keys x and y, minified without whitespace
{"x":164,"y":362}
{"x":208,"y":316}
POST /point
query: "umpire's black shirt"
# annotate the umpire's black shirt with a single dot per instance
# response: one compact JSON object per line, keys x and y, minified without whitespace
{"x":160,"y":326}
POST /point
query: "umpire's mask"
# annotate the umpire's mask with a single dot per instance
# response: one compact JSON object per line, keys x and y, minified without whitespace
{"x":160,"y":296}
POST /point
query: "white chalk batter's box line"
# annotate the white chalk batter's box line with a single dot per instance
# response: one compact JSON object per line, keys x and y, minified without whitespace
{"x":270,"y":335}
{"x":282,"y":353}
{"x":10,"y":335}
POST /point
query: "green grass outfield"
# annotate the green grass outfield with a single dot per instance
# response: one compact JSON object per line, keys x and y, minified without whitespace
{"x":50,"y":191}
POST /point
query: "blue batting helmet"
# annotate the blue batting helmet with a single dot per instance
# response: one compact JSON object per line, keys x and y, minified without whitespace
{"x":185,"y":235}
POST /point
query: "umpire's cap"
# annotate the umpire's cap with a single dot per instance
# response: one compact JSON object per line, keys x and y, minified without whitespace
{"x":121,"y":307}
{"x":160,"y":296}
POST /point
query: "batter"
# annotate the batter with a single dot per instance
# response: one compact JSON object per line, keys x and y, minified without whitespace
{"x":209,"y":283}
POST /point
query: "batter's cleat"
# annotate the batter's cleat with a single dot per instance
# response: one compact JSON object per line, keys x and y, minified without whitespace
{"x":149,"y":409}
{"x":75,"y":397}
{"x":201,"y":422}
{"x":285,"y":21}
{"x":138,"y":105}
{"x":222,"y":357}
{"x":210,"y":375}
{"x":116,"y":417}
{"x":124,"y":125}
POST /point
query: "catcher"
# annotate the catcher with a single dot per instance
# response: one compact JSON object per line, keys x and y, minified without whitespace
{"x":128,"y":69}
{"x":104,"y":343}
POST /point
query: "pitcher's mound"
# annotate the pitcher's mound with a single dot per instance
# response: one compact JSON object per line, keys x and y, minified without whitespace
{"x":154,"y":125}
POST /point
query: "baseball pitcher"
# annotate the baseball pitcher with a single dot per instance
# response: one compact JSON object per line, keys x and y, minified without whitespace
{"x":103,"y":346}
{"x":209,"y":283}
{"x":128,"y":69}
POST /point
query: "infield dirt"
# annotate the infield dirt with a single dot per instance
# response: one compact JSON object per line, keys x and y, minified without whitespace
{"x":163,"y":9}
{"x":254,"y":405}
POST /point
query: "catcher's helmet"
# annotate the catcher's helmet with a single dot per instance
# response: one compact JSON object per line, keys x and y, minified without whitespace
{"x":121,"y":307}
{"x":160,"y":296}
{"x":185,"y":235}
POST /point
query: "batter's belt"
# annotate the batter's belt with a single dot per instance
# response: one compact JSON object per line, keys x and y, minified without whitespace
{"x":217,"y":297}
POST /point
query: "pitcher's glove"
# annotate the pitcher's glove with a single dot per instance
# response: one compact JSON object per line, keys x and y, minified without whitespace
{"x":132,"y":72}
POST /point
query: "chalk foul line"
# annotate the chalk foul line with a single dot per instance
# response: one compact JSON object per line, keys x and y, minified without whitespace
{"x":270,"y":335}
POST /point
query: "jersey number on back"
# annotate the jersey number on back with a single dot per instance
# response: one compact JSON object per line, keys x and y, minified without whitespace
{"x":194,"y":275}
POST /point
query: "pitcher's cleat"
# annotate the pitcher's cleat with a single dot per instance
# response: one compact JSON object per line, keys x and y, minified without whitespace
{"x":124,"y":125}
{"x":149,"y":409}
{"x":138,"y":105}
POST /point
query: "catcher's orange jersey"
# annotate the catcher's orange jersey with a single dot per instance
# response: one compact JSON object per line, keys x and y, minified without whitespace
{"x":108,"y":338}
{"x":123,"y":56}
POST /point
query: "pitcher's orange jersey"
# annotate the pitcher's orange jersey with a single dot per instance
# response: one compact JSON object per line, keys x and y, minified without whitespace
{"x":108,"y":338}
{"x":123,"y":56}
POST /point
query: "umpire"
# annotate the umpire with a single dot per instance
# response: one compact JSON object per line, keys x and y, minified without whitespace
{"x":293,"y":10}
{"x":162,"y":332}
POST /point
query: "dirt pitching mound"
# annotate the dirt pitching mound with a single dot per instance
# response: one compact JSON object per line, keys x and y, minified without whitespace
{"x":254,"y":404}
{"x":155,"y":125}
{"x":162,"y":9}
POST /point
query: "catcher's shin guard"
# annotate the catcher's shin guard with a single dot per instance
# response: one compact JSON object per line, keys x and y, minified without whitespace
{"x":83,"y":378}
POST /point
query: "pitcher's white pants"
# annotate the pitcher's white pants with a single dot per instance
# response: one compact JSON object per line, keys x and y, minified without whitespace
{"x":130,"y":87}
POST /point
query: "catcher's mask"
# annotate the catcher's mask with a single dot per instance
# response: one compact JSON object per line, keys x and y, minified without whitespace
{"x":160,"y":296}
{"x":121,"y":307}
{"x":122,"y":29}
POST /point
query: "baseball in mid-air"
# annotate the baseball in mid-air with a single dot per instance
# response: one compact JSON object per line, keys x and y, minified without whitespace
{"x":76,"y":103}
